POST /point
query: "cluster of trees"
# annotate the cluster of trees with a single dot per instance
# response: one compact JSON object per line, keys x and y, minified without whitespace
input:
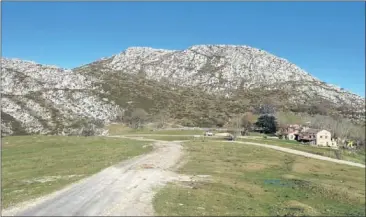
{"x":135,"y":118}
{"x":242,"y":124}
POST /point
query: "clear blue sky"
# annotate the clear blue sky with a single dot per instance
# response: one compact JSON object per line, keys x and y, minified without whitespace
{"x":327,"y":39}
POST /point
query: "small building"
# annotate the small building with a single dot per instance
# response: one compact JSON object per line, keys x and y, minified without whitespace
{"x":291,"y":132}
{"x":308,"y":135}
{"x":324,"y":138}
{"x":317,"y":137}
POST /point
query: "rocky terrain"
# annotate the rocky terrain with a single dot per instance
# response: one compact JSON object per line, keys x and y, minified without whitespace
{"x":47,"y":100}
{"x":225,"y":69}
{"x":207,"y":82}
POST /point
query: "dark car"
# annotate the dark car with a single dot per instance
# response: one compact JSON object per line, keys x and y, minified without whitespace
{"x":230,"y":137}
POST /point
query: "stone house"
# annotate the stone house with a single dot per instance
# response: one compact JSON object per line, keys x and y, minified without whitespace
{"x":308,"y":135}
{"x":291,"y":136}
{"x":291,"y":132}
{"x":324,"y":138}
{"x":317,"y":137}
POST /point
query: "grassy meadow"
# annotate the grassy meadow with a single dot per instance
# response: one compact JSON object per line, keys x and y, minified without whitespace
{"x":36,"y":165}
{"x":249,"y":180}
{"x":354,"y":156}
{"x":119,"y":129}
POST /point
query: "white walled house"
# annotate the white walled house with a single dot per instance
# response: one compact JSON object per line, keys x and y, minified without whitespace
{"x":324,"y":138}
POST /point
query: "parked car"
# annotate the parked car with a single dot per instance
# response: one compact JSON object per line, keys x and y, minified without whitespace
{"x":208,"y":133}
{"x":230,"y":137}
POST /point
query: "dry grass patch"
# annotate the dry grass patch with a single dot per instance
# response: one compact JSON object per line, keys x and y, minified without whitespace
{"x":289,"y":176}
{"x":243,"y":186}
{"x":300,"y":209}
{"x":302,"y":167}
{"x":254,"y":166}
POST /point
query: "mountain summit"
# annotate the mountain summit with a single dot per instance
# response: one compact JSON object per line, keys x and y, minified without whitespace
{"x":226,"y":69}
{"x":202,"y":81}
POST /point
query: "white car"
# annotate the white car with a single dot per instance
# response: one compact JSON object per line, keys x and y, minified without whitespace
{"x":208,"y":133}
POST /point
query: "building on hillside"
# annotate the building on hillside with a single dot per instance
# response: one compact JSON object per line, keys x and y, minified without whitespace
{"x":308,"y":136}
{"x":291,"y":132}
{"x":324,"y":138}
{"x":317,"y":137}
{"x":292,"y":136}
{"x":304,"y":134}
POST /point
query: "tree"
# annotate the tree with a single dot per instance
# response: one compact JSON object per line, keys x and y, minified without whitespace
{"x":138,"y":118}
{"x":246,"y":122}
{"x":120,"y":115}
{"x":162,"y":118}
{"x":240,"y":124}
{"x":220,"y":122}
{"x":268,"y":123}
{"x":281,"y":130}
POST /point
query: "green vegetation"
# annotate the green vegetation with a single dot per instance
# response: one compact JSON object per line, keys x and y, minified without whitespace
{"x":37,"y":165}
{"x":268,"y":123}
{"x":194,"y":106}
{"x":169,"y":138}
{"x":357,"y":156}
{"x":120,"y":129}
{"x":291,"y":118}
{"x":249,"y":180}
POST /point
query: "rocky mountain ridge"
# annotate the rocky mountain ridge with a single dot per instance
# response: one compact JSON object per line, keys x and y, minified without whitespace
{"x":224,"y":69}
{"x":46,"y":99}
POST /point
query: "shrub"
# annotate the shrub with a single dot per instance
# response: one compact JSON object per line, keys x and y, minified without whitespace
{"x":338,"y":154}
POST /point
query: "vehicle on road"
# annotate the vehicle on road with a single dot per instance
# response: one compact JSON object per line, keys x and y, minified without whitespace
{"x":208,"y":133}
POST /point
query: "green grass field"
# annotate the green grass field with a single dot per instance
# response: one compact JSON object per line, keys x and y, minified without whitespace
{"x":357,"y":156}
{"x":118,"y":129}
{"x":169,"y":138}
{"x":250,"y":180}
{"x":36,"y":165}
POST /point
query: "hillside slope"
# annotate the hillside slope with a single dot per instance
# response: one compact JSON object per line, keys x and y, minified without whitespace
{"x":201,"y":85}
{"x":46,"y":99}
{"x":234,"y":72}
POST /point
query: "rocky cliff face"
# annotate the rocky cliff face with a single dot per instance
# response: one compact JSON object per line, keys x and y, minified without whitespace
{"x":48,"y":99}
{"x":226,"y":68}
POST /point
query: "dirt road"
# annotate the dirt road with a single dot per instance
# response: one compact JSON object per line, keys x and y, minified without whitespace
{"x":305,"y":154}
{"x":124,"y":189}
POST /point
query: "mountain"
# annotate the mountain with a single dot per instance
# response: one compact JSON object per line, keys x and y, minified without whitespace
{"x":196,"y":86}
{"x":46,"y":99}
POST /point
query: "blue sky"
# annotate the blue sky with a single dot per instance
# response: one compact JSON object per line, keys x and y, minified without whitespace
{"x":327,"y":39}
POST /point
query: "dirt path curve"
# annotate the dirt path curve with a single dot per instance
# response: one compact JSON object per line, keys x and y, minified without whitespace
{"x":305,"y":154}
{"x":123,"y":189}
